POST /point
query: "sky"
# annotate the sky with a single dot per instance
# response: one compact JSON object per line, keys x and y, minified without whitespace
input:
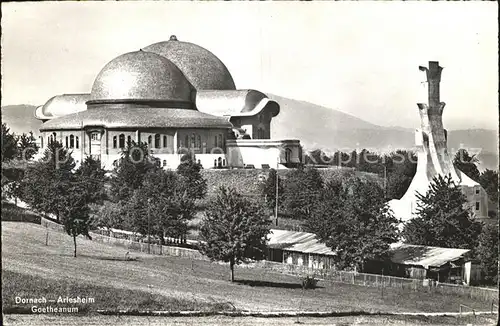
{"x":360,"y":58}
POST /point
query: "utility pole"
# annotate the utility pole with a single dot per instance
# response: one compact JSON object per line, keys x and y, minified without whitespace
{"x":149,"y":226}
{"x":385,"y":181}
{"x":276,"y":201}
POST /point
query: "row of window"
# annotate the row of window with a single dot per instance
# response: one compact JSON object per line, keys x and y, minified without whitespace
{"x":71,"y":141}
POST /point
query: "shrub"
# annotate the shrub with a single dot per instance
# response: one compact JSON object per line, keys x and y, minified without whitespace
{"x":309,"y":282}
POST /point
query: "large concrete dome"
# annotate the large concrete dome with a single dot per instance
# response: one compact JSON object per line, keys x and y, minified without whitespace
{"x":140,"y":76}
{"x":201,"y":67}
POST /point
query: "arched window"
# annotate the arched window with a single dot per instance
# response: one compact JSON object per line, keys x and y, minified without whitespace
{"x":223,"y":162}
{"x":48,"y":140}
{"x":215,"y":163}
{"x":186,"y":141}
{"x":150,"y":141}
{"x":164,"y":141}
{"x":157,"y":140}
{"x":215,"y":141}
{"x":41,"y":141}
{"x":54,"y":136}
{"x":129,"y":140}
{"x":193,"y":140}
{"x":219,"y":162}
{"x":164,"y":162}
{"x":71,"y":141}
{"x":198,"y":141}
{"x":121,"y":141}
{"x":77,"y":141}
{"x":114,"y":141}
{"x":66,"y":141}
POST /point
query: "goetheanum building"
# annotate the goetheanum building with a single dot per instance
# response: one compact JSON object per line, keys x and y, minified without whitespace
{"x":177,"y":97}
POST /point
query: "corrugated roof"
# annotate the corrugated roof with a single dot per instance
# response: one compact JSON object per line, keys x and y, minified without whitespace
{"x":139,"y":117}
{"x":298,"y":241}
{"x":425,"y":256}
{"x":247,"y":102}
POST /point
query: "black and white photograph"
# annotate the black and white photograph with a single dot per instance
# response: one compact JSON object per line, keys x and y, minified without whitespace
{"x":250,"y":163}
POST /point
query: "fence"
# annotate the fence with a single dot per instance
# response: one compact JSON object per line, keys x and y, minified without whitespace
{"x":483,"y":294}
{"x":154,"y":249}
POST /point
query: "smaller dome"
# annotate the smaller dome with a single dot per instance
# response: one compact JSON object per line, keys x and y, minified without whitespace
{"x":141,"y":75}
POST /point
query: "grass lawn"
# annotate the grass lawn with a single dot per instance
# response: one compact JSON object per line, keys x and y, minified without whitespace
{"x":192,"y":282}
{"x":28,"y":286}
{"x":65,"y":320}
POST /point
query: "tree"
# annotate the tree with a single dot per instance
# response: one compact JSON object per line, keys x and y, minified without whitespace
{"x":487,"y":253}
{"x":303,"y":188}
{"x":234,"y":229}
{"x":401,"y":168}
{"x":75,"y":212}
{"x":354,"y":220}
{"x":26,"y":146}
{"x":91,"y":176}
{"x":489,"y":182}
{"x":443,"y":218}
{"x":48,"y":181}
{"x":129,"y":172}
{"x":161,"y":206}
{"x":467,"y":164}
{"x":190,"y":172}
{"x":9,"y":144}
{"x":268,"y":189}
{"x":107,"y":215}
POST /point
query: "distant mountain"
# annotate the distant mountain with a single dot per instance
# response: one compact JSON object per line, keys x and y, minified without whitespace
{"x":320,"y":127}
{"x":21,"y":119}
{"x":328,"y":129}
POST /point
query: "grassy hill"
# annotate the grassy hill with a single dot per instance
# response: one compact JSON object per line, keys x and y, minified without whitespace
{"x":31,"y":267}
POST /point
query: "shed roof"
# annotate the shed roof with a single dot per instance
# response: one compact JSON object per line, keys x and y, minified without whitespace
{"x":425,"y":256}
{"x":298,"y":241}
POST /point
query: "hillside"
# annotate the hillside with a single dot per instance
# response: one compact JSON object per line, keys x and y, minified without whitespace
{"x":24,"y":253}
{"x":321,"y":127}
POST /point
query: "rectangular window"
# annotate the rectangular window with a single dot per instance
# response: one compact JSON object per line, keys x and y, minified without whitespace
{"x":477,"y":191}
{"x":477,"y":206}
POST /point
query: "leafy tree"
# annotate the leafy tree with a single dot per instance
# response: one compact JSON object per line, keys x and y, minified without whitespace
{"x":47,"y":181}
{"x":489,"y":182}
{"x":487,"y":253}
{"x":161,"y":206}
{"x":354,"y":220}
{"x":91,"y":176}
{"x":26,"y":146}
{"x":190,"y":172}
{"x":75,"y":212}
{"x":9,"y":144}
{"x":107,"y":215}
{"x":443,"y":218}
{"x":303,"y":188}
{"x":401,"y":168}
{"x":467,"y":164}
{"x":129,"y":172}
{"x":234,"y":230}
{"x":268,"y":189}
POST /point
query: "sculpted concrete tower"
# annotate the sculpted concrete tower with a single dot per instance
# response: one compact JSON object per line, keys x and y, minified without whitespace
{"x":433,"y":156}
